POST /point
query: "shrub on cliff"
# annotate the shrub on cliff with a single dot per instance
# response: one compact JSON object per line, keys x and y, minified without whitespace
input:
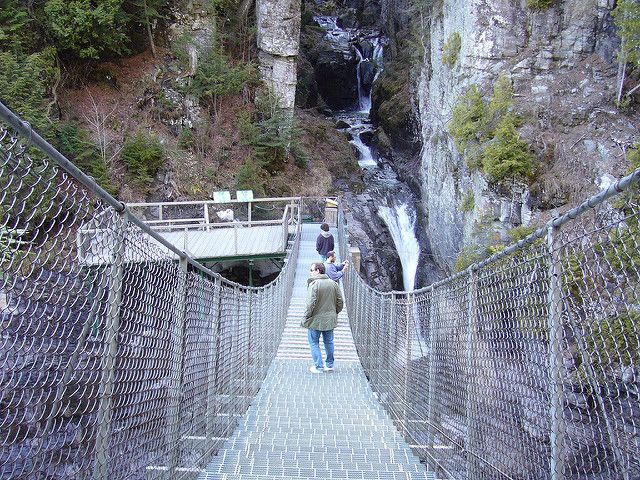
{"x":487,"y":135}
{"x":87,"y":28}
{"x":143,"y":155}
{"x":216,"y":77}
{"x":25,"y":85}
{"x":252,"y":176}
{"x":469,"y":119}
{"x":506,"y":155}
{"x":540,"y":4}
{"x":451,"y":49}
{"x":627,"y":18}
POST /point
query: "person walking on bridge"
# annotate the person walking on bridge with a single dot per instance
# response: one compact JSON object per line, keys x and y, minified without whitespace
{"x":324,"y":302}
{"x":335,"y":271}
{"x":324,"y":242}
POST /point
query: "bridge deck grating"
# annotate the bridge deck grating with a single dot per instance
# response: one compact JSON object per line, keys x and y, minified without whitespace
{"x":305,"y":425}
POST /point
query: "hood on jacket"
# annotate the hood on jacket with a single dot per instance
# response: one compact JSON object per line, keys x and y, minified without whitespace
{"x":318,"y":277}
{"x":325,"y":234}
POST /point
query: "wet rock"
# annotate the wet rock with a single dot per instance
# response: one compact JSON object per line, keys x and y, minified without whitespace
{"x":335,"y":75}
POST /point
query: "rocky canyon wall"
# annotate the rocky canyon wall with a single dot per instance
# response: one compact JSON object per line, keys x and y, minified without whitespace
{"x":562,"y":66}
{"x":278,"y":40}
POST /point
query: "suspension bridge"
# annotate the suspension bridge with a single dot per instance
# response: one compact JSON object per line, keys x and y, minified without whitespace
{"x":122,"y":356}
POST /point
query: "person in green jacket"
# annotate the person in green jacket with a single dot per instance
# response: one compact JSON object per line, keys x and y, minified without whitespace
{"x":324,"y":302}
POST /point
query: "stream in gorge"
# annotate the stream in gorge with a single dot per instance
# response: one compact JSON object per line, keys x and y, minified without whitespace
{"x":391,"y":200}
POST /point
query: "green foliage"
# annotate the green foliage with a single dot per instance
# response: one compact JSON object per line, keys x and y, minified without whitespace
{"x":633,"y":155}
{"x":468,"y":201}
{"x":627,"y":18}
{"x":14,"y":22}
{"x":487,"y":134}
{"x":540,"y":4}
{"x":277,"y":140}
{"x":87,"y":28}
{"x":501,"y":103}
{"x":75,"y":144}
{"x":251,"y":176}
{"x":274,"y":137}
{"x":468,"y":256}
{"x":614,"y":339}
{"x":180,"y":49}
{"x":146,"y":11}
{"x":143,"y":155}
{"x":519,"y":233}
{"x":507,"y":155}
{"x":187,"y":139}
{"x":469,"y":118}
{"x":215,"y":77}
{"x":247,"y":127}
{"x":451,"y":49}
{"x":25,"y":84}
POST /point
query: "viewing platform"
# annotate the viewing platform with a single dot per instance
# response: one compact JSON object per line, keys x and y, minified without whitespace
{"x":212,"y":230}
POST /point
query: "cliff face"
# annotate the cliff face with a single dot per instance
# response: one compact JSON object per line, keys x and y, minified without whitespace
{"x":278,"y":40}
{"x":561,"y":63}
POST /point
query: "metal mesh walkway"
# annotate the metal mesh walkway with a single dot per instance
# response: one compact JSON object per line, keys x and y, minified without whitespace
{"x":304,"y":425}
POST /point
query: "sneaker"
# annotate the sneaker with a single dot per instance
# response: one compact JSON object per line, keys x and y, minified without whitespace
{"x":314,"y":369}
{"x":328,"y":369}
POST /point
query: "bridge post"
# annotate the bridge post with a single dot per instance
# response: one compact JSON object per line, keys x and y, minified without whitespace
{"x":556,"y":393}
{"x":354,"y":253}
{"x":472,"y":322}
{"x":408,"y":318}
{"x":116,"y":275}
{"x":432,"y":372}
{"x":213,"y":361}
{"x":175,"y":396}
{"x":391,"y":324}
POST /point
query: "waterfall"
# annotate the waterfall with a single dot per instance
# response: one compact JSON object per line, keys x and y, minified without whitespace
{"x":380,"y":179}
{"x":364,"y":99}
{"x":401,"y":222}
{"x":365,"y":156}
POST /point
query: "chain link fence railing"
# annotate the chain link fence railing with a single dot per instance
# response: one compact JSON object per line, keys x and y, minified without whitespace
{"x":124,"y":363}
{"x":524,"y":366}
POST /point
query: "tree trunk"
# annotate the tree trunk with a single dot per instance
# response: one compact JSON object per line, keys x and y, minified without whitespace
{"x":149,"y":31}
{"x":622,"y":69}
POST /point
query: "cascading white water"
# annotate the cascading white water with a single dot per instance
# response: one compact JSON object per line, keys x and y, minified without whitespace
{"x":401,"y":224}
{"x":364,"y":100}
{"x":365,"y":157}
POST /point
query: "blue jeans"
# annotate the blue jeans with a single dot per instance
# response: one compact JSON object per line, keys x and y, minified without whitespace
{"x":314,"y":343}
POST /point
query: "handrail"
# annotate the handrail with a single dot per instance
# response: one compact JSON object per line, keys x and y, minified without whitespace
{"x":515,"y":369}
{"x":134,"y":365}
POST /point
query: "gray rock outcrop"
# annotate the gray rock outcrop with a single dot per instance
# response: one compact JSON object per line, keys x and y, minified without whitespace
{"x":559,"y":62}
{"x":278,"y":39}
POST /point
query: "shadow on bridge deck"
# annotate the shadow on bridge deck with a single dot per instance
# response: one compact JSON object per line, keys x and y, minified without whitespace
{"x":305,"y":425}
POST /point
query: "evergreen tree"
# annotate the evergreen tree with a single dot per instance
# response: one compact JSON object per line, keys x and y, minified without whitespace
{"x":87,"y":28}
{"x":627,"y":19}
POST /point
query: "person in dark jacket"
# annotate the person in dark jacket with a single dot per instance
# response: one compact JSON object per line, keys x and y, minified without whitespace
{"x":335,"y":271}
{"x":324,"y":302}
{"x":324,"y":242}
